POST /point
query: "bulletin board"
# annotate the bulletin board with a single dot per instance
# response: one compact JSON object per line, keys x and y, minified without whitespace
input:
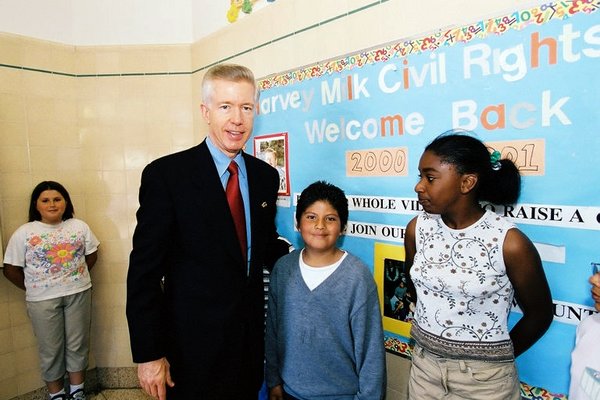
{"x":526,"y":83}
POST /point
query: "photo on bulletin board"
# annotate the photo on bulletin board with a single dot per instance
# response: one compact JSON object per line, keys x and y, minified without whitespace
{"x":391,"y":276}
{"x":273,"y":149}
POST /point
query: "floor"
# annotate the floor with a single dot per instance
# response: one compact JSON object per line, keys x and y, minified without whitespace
{"x":124,"y":394}
{"x":119,"y":394}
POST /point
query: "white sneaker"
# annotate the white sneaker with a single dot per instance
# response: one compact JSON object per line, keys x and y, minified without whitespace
{"x":79,"y":394}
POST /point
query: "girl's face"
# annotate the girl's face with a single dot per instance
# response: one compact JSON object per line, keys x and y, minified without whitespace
{"x":51,"y":205}
{"x":439,"y":186}
{"x":320,"y":226}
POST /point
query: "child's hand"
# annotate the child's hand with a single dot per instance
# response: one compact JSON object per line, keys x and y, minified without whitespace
{"x":276,"y":393}
{"x":595,"y":281}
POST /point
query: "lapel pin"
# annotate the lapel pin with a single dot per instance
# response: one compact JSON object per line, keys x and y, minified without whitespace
{"x":264,"y":204}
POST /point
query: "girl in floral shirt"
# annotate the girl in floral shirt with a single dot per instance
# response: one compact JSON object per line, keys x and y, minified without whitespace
{"x":50,"y":258}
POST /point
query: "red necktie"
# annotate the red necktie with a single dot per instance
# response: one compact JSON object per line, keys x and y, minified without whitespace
{"x":236,"y":205}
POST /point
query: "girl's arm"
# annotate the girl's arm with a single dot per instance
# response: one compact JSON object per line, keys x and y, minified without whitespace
{"x":524,"y":269}
{"x":595,"y":281}
{"x":410,"y":249}
{"x":91,"y":259}
{"x":15,"y":275}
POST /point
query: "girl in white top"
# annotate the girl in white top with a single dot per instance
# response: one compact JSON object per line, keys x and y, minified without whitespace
{"x":466,"y":264}
{"x":585,"y":358}
{"x":50,"y":258}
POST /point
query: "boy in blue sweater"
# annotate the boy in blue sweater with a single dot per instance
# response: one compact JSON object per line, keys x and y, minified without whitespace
{"x":324,"y":338}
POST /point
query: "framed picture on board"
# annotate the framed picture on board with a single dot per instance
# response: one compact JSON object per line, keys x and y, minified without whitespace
{"x":273,"y":149}
{"x":391,"y":277}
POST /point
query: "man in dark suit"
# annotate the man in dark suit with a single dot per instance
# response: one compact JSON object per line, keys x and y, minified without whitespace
{"x":194,"y":300}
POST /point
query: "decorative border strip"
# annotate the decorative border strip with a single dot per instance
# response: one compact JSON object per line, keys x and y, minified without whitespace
{"x":397,"y":346}
{"x":517,"y":20}
{"x":404,"y":349}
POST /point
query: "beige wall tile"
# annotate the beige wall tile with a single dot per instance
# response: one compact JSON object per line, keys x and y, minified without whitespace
{"x":112,"y":158}
{"x":116,"y":184}
{"x":284,"y":23}
{"x":356,"y":4}
{"x":42,"y":84}
{"x":109,"y":294}
{"x":121,"y":353}
{"x":102,"y":316}
{"x":20,"y":189}
{"x":107,"y":60}
{"x":310,"y":12}
{"x":178,"y":58}
{"x":11,"y":80}
{"x":203,"y":52}
{"x":30,"y":380}
{"x":135,"y":87}
{"x":14,"y":213}
{"x":6,"y":342}
{"x":103,"y":343}
{"x":85,"y":60}
{"x":4,"y":299}
{"x":115,"y":251}
{"x":14,"y":133}
{"x":65,"y":110}
{"x":7,"y":365}
{"x":37,"y":54}
{"x":17,"y":308}
{"x":286,"y":51}
{"x":14,"y":159}
{"x":12,"y":48}
{"x":46,"y":132}
{"x":4,"y":313}
{"x":135,"y":159}
{"x":23,"y":337}
{"x":27,"y":359}
{"x":50,"y":159}
{"x":372,"y":20}
{"x":182,"y":134}
{"x":12,"y":107}
{"x":8,"y":388}
{"x":62,"y":59}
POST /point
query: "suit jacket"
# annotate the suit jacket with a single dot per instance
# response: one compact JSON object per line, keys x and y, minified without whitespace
{"x":207,"y":317}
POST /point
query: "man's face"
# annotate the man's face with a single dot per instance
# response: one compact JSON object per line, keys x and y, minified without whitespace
{"x":229,"y":114}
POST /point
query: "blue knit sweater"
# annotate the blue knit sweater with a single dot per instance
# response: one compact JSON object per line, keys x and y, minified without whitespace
{"x":326,"y":343}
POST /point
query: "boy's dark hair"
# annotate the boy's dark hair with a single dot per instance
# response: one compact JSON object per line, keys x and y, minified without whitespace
{"x":499,"y":185}
{"x":34,"y":214}
{"x":321,"y":190}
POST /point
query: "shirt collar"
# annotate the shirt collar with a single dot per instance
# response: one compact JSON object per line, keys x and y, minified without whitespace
{"x":222,"y":160}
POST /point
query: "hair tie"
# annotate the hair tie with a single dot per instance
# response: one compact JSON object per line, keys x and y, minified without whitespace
{"x":495,"y":160}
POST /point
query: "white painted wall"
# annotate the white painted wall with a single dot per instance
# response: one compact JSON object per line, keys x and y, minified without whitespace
{"x":116,"y":22}
{"x":50,"y":20}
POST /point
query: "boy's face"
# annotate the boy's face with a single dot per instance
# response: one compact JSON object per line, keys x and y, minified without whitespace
{"x":320,"y":226}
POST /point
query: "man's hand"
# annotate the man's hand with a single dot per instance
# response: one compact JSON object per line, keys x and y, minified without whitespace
{"x":595,"y":281}
{"x":154,"y":376}
{"x":276,"y":393}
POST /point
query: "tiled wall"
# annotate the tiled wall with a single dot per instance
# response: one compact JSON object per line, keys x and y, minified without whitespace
{"x":90,"y":118}
{"x":93,"y":117}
